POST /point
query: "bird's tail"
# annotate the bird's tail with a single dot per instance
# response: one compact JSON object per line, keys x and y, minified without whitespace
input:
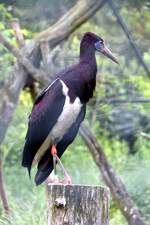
{"x":45,"y":167}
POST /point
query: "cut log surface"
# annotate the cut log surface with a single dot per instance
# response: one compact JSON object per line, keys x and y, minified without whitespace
{"x":78,"y":205}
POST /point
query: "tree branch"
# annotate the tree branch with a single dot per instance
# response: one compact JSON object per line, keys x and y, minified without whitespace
{"x":15,"y":24}
{"x":123,"y":101}
{"x":129,"y":36}
{"x":9,"y":97}
{"x":147,"y":136}
{"x":18,"y":76}
{"x":117,"y":188}
{"x":76,"y":16}
{"x":23,"y":60}
{"x":3,"y":193}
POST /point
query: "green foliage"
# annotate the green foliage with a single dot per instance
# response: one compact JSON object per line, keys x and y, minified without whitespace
{"x":6,"y":58}
{"x":28,"y":202}
{"x":80,"y":165}
{"x":112,"y":123}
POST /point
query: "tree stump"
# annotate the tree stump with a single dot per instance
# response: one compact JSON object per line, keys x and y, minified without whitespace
{"x":78,"y":205}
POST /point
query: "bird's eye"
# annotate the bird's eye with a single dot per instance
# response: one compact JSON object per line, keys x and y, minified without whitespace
{"x":101,"y":42}
{"x":99,"y":45}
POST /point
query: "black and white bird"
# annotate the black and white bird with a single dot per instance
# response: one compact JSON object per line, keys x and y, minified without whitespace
{"x":59,"y":110}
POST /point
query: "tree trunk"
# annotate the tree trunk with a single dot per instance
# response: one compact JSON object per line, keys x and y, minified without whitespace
{"x":78,"y":205}
{"x":2,"y":190}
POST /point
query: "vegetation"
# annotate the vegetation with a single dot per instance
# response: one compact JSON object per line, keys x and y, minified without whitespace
{"x":118,"y":113}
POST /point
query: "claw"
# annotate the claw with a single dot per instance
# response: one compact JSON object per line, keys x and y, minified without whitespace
{"x":67,"y":178}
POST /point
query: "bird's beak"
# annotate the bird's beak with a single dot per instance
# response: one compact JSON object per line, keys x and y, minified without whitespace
{"x":106,"y":51}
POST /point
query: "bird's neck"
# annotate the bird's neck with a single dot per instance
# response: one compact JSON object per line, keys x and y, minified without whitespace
{"x":88,"y":64}
{"x":87,"y":55}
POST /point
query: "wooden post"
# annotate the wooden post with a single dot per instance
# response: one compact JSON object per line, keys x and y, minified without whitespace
{"x":78,"y":205}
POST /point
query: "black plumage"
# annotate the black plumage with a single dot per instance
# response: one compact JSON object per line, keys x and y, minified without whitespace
{"x":59,"y":110}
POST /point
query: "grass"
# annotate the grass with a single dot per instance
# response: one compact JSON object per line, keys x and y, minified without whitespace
{"x":28,"y":202}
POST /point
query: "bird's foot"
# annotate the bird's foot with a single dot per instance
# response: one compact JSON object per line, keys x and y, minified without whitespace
{"x":52,"y":179}
{"x":67,"y":180}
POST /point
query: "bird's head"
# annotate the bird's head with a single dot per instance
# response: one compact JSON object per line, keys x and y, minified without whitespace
{"x":91,"y":40}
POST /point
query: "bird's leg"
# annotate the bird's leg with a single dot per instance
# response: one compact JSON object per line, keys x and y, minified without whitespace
{"x":67,"y":178}
{"x":53,"y":179}
{"x":54,"y":154}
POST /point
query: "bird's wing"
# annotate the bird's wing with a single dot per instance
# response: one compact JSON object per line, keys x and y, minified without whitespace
{"x":41,"y":95}
{"x":46,"y":110}
{"x":72,"y":132}
{"x":45,"y":165}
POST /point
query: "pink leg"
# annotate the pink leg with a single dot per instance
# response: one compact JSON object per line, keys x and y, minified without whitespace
{"x":53,"y":150}
{"x":67,"y":178}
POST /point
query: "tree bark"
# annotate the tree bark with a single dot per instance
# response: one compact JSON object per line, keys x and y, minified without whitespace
{"x":3,"y":193}
{"x":117,"y":188}
{"x":9,"y":97}
{"x":15,"y":24}
{"x":78,"y":205}
{"x":76,"y":16}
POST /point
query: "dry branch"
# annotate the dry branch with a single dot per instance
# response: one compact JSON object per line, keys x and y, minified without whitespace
{"x":147,"y":136}
{"x":22,"y":59}
{"x":76,"y":16}
{"x":129,"y":36}
{"x":117,"y":188}
{"x":9,"y":97}
{"x":15,"y":24}
{"x":123,"y":101}
{"x":3,"y":193}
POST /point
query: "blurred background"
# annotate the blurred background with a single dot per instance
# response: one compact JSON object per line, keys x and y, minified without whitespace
{"x":118,"y":115}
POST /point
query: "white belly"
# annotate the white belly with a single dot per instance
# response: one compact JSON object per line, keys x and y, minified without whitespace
{"x":66,"y":119}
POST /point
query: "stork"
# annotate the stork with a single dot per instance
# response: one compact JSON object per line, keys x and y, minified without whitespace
{"x":60,"y":108}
